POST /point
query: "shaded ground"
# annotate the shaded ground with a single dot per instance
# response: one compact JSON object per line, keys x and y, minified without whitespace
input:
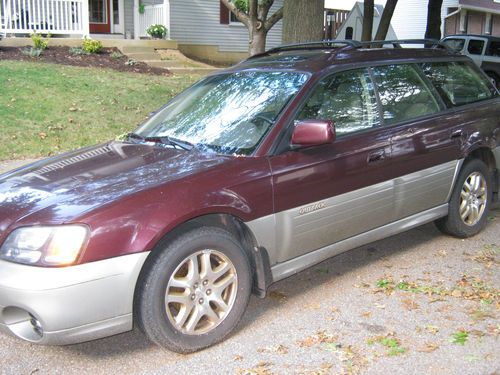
{"x":110,"y":58}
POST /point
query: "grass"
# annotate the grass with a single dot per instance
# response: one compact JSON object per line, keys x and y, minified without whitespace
{"x":46,"y":109}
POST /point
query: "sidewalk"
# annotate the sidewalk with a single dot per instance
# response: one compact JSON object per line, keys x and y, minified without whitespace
{"x":7,"y":165}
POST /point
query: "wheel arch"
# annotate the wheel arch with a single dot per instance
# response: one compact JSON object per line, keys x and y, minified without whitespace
{"x":486,"y":156}
{"x":257,"y":256}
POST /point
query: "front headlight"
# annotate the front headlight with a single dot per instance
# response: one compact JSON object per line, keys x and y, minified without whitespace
{"x":45,"y":246}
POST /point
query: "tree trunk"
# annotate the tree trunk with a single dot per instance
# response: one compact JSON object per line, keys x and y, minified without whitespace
{"x":257,"y":40}
{"x":385,"y":21}
{"x":366,"y":34}
{"x":257,"y":21}
{"x":302,"y":21}
{"x":433,"y":30}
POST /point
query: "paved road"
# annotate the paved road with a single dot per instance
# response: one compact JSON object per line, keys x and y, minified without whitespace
{"x":392,"y":307}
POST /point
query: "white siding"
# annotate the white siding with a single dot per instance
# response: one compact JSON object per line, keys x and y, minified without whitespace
{"x":355,"y":20}
{"x":198,"y":22}
{"x":410,"y":18}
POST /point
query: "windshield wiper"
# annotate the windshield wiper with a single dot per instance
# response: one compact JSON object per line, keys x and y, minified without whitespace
{"x":185,"y":145}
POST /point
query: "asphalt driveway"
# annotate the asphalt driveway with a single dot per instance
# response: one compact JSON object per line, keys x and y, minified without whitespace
{"x":415,"y":303}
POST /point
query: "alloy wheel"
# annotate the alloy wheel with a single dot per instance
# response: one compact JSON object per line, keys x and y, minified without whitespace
{"x":201,"y":292}
{"x":473,"y":198}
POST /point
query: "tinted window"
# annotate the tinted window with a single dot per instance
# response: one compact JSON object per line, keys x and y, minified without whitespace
{"x":455,"y":44}
{"x":493,"y":49}
{"x":458,"y":83}
{"x":347,"y":99}
{"x":403,"y":93}
{"x":475,"y":46}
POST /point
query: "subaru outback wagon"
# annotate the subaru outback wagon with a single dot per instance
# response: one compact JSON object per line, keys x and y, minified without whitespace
{"x":250,"y":176}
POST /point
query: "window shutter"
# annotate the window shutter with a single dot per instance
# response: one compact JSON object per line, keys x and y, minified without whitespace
{"x":224,"y":14}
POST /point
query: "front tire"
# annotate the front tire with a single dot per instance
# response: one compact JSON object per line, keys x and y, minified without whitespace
{"x":470,"y":201}
{"x":194,"y":291}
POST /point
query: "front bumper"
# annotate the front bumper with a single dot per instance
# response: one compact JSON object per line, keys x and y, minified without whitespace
{"x":60,"y":306}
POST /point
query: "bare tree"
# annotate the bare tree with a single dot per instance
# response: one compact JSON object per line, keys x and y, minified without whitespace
{"x":303,"y":20}
{"x":433,"y":30}
{"x":385,"y":20}
{"x":366,"y":34}
{"x":256,"y":20}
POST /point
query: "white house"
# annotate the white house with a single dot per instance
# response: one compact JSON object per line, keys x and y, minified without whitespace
{"x":353,"y":25}
{"x":195,"y":24}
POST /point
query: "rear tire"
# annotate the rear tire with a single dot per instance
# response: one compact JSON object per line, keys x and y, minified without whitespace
{"x":194,"y":291}
{"x":470,"y":201}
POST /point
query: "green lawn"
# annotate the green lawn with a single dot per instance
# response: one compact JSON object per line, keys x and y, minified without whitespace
{"x":46,"y":109}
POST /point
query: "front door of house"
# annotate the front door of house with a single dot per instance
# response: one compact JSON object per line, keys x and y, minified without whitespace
{"x":99,"y":16}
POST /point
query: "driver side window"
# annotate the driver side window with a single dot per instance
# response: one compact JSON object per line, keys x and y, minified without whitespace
{"x":347,"y":99}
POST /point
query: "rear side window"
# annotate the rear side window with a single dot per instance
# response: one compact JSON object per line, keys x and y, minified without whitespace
{"x":347,"y":99}
{"x":475,"y":46}
{"x":493,"y":49}
{"x":458,"y":83}
{"x":403,"y":93}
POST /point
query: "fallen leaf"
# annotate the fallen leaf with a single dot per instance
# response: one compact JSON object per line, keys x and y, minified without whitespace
{"x":409,"y":304}
{"x":428,"y":347}
{"x":277,"y":295}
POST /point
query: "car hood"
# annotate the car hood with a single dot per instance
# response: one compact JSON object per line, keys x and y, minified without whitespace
{"x":76,"y":182}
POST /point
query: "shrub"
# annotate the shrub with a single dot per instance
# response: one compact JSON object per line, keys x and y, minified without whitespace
{"x":39,"y":42}
{"x":157,"y":31}
{"x":78,"y":51}
{"x":91,"y":45}
{"x":32,"y":52}
{"x":116,"y":55}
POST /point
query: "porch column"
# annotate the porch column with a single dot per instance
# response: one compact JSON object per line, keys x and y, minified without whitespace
{"x":463,"y":21}
{"x":166,"y":16}
{"x":488,"y":24}
{"x":85,"y":18}
{"x":136,"y":19}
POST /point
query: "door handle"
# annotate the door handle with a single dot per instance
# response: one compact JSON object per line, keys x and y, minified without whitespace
{"x":456,"y":134}
{"x":376,"y":156}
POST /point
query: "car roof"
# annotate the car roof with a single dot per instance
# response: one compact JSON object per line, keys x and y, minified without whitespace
{"x":463,"y":36}
{"x":316,"y":56}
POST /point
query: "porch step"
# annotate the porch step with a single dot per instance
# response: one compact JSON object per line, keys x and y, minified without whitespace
{"x":165,"y":63}
{"x":137,"y":49}
{"x":143,"y":56}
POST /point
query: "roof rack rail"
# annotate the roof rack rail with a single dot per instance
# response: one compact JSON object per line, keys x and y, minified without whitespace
{"x":396,"y":43}
{"x":352,"y":44}
{"x":313,"y":45}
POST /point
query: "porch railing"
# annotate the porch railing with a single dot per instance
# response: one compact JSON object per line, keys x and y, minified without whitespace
{"x":154,"y":14}
{"x":46,"y":16}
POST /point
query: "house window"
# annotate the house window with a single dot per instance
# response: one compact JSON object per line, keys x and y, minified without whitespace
{"x":98,"y":11}
{"x":233,"y":19}
{"x":348,"y":33}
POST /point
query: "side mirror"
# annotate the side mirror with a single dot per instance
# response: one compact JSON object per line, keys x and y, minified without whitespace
{"x":313,"y":133}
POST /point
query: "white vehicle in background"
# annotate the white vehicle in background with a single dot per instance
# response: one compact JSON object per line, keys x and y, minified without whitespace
{"x":484,"y":50}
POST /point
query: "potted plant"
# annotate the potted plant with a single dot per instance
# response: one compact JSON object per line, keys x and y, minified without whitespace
{"x":157,"y":31}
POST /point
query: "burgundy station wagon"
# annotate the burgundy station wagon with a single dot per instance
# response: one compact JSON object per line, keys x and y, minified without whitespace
{"x":250,"y":176}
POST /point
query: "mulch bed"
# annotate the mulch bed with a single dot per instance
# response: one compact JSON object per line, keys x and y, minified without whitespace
{"x":62,"y":55}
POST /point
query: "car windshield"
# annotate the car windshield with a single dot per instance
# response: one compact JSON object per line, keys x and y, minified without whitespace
{"x":227,"y":113}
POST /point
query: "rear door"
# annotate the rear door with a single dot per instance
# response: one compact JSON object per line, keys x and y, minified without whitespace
{"x":425,"y":145}
{"x":328,"y":193}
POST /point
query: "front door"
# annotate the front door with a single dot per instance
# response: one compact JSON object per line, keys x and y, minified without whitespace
{"x":99,"y":16}
{"x":328,"y":193}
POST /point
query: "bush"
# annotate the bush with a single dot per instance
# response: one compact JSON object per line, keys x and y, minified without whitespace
{"x":91,"y":45}
{"x":157,"y":31}
{"x":39,"y":42}
{"x":32,"y":52}
{"x":77,"y":51}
